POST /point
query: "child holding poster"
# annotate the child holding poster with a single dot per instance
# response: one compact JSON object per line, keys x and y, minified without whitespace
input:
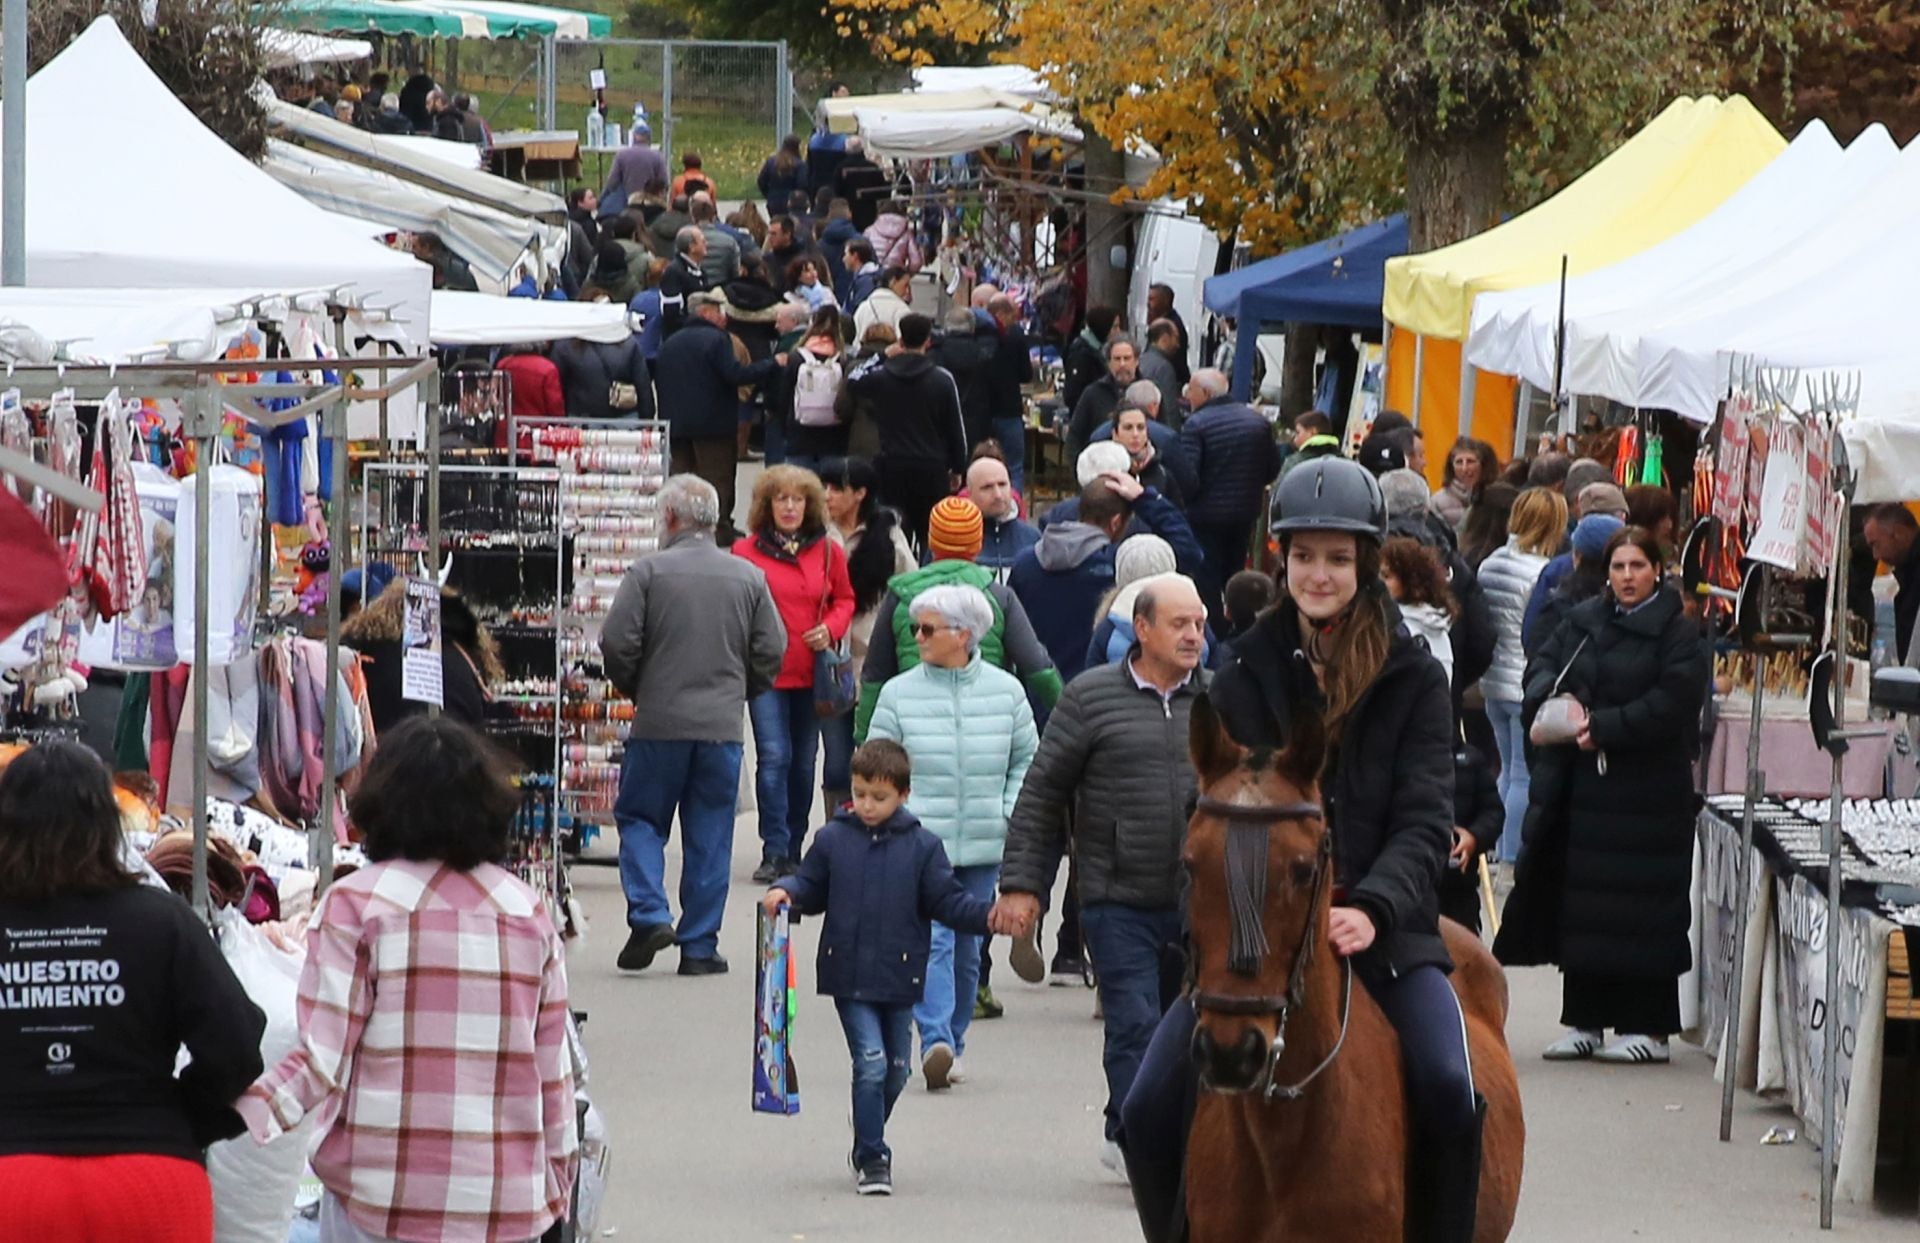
{"x":881,"y":878}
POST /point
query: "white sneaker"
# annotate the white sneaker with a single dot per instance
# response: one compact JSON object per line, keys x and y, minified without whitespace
{"x":1114,"y":1160}
{"x":936,"y":1063}
{"x":1635,"y":1051}
{"x":1575,"y":1046}
{"x":957,"y":1073}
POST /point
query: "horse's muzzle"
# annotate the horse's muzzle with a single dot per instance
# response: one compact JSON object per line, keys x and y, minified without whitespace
{"x":1239,"y":1067}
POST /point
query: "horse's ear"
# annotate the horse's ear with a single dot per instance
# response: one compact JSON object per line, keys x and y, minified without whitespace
{"x":1214,"y":752}
{"x":1305,"y":753}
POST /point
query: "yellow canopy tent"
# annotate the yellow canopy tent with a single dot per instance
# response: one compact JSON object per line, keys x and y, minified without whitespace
{"x":1676,"y":170}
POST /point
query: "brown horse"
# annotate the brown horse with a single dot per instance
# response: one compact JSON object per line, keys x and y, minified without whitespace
{"x":1301,"y":1128}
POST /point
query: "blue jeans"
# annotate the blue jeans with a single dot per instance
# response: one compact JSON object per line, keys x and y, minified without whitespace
{"x":880,"y":1038}
{"x":702,"y":781}
{"x":953,"y":972}
{"x":1510,"y":737}
{"x":786,"y":735}
{"x":836,"y":754}
{"x":1012,"y":435}
{"x":1127,"y":946}
{"x":805,"y":461}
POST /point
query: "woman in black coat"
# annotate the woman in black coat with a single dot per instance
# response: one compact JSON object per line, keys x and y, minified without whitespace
{"x":1331,"y":662}
{"x":1603,"y":882}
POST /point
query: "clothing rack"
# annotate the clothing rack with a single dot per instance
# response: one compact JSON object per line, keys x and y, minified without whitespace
{"x":204,"y":389}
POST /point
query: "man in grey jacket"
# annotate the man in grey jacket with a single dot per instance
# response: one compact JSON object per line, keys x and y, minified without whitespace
{"x":1115,"y":751}
{"x":692,"y":635}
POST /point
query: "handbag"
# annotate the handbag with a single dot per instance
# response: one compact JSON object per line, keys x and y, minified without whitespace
{"x":622,"y":395}
{"x":1560,"y":717}
{"x":834,"y":693}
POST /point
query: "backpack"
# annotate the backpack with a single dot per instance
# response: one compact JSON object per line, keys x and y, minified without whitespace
{"x":815,"y":390}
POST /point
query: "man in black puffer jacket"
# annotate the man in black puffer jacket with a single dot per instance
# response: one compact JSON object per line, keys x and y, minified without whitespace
{"x":1115,"y":752}
{"x":967,"y":356}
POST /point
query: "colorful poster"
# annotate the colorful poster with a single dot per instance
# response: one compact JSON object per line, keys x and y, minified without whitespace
{"x":776,"y":1085}
{"x":1782,"y":522}
{"x":1730,"y":480}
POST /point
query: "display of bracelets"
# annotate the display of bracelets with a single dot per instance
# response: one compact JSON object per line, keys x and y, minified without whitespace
{"x":458,"y":540}
{"x":611,"y":524}
{"x":630,"y":461}
{"x":605,"y":567}
{"x":592,"y":774}
{"x":623,"y":503}
{"x":625,"y":547}
{"x":613,"y":710}
{"x":528,"y":613}
{"x":644,"y":439}
{"x":586,"y":605}
{"x":527,"y":687}
{"x":594,"y":752}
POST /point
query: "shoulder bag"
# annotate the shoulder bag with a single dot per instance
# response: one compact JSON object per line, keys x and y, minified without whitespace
{"x":834,"y":693}
{"x":1561,"y":716}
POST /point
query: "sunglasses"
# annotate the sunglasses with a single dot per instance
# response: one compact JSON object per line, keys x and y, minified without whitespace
{"x":921,"y":630}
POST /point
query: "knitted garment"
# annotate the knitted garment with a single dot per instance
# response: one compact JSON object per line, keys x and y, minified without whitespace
{"x":106,"y":1199}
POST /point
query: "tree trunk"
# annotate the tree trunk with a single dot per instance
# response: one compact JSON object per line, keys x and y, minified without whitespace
{"x":1454,"y":191}
{"x":1107,"y":225}
{"x":1296,"y":370}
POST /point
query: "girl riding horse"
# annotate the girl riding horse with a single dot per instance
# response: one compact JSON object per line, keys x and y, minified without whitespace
{"x":1331,"y":662}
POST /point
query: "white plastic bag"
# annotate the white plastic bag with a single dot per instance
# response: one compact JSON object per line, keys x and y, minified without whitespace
{"x":254,"y":1183}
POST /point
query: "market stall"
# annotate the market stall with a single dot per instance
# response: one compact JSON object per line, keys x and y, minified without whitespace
{"x":1680,"y":166}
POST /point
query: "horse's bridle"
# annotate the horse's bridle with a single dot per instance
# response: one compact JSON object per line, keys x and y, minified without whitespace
{"x":1283,"y":1006}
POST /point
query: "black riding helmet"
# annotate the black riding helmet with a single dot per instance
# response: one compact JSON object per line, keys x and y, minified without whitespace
{"x":1329,"y":494}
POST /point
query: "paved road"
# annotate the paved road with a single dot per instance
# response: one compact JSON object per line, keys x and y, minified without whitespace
{"x":1613,"y":1154}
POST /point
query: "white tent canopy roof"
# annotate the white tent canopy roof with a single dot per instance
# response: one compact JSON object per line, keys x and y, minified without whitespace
{"x":295,"y":47}
{"x":213,"y":219}
{"x":1013,"y":79}
{"x":935,"y":124}
{"x":479,"y":319}
{"x":136,"y":325}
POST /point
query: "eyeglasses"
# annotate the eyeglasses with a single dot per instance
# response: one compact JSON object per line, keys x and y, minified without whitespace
{"x":922,"y":630}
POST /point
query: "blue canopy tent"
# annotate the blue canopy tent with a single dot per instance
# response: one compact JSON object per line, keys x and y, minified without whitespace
{"x":1339,"y":281}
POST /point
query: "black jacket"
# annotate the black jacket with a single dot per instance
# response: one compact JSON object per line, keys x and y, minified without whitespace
{"x":1477,"y":809}
{"x":700,"y":382}
{"x":1097,"y":403}
{"x":1387,"y":786}
{"x":589,"y":369}
{"x":1906,"y":603}
{"x":1117,"y":756}
{"x":862,"y":183}
{"x":98,"y":992}
{"x":915,"y":407}
{"x":461,"y":694}
{"x":1604,"y":880}
{"x":1010,"y":370}
{"x":1084,"y":364}
{"x":1230,"y":446}
{"x":879,"y":888}
{"x":821,"y":442}
{"x":681,"y":280}
{"x":968,"y":358}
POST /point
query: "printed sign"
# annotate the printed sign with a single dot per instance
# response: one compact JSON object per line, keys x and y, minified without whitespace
{"x":420,"y":667}
{"x":1730,"y":479}
{"x":1804,"y":938}
{"x":1783,"y":501}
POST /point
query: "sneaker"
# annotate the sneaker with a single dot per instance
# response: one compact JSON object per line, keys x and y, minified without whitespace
{"x":1635,"y":1051}
{"x":1025,"y":956}
{"x":1114,"y":1160}
{"x":714,"y":965}
{"x":876,"y":1178}
{"x":986,"y":1005}
{"x":771,"y":869}
{"x":937,"y":1065}
{"x":1575,"y":1046}
{"x":958,"y":1073}
{"x":1068,"y":972}
{"x":642,"y":944}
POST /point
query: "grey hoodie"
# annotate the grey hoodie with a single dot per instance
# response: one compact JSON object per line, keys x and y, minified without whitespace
{"x":1065,"y":545}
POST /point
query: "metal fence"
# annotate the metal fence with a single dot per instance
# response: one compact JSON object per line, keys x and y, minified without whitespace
{"x":730,"y":101}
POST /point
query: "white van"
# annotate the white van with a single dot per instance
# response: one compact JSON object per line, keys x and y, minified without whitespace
{"x":1176,"y":250}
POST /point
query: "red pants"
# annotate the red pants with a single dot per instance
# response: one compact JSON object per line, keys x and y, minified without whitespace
{"x":112,"y":1199}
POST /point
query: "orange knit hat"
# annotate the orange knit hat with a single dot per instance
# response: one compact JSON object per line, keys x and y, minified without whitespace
{"x":955,"y":529}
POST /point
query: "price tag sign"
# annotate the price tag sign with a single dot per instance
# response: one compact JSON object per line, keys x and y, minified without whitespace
{"x":420,"y":666}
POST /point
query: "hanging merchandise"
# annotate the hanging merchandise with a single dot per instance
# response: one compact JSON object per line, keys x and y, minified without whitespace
{"x":16,"y":436}
{"x":65,"y":455}
{"x":1730,"y":459}
{"x":1654,"y":469}
{"x":1783,"y":500}
{"x":36,"y":575}
{"x":233,"y":562}
{"x":1824,"y":507}
{"x":141,"y":637}
{"x":109,"y":555}
{"x":1626,"y":455}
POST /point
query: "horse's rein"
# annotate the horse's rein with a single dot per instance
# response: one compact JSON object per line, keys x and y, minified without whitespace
{"x":1284,"y":1006}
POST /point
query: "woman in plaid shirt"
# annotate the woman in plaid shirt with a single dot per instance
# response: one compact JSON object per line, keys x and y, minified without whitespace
{"x":433,"y":1012}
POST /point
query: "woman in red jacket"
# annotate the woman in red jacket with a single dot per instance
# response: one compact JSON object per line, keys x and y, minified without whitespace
{"x":536,"y":389}
{"x":807,"y":574}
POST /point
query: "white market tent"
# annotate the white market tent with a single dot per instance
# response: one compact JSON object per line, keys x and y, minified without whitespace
{"x":1013,"y":79}
{"x":461,"y":319}
{"x":206,"y":217}
{"x":284,"y":48}
{"x":492,"y":242}
{"x":453,"y":171}
{"x":936,"y":124}
{"x":123,"y":325}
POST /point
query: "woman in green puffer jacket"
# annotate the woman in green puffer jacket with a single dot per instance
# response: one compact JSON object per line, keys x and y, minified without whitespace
{"x":969,"y":731}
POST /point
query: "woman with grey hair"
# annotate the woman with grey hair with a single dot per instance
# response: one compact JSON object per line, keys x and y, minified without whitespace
{"x":968,"y":729}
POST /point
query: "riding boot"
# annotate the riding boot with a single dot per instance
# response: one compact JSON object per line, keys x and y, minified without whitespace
{"x":1446,"y":1183}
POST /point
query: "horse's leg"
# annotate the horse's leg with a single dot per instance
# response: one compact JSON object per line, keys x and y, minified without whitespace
{"x":1504,"y":1139}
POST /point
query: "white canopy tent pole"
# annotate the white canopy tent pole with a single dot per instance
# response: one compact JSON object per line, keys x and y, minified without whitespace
{"x":13,"y":143}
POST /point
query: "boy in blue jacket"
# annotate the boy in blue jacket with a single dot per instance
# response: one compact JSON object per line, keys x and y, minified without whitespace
{"x":882,"y":879}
